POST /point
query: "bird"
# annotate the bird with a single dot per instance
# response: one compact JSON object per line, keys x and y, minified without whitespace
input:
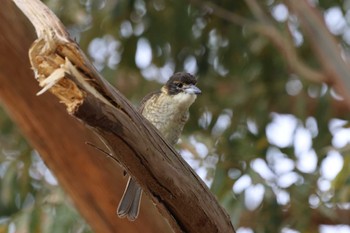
{"x":168,"y":110}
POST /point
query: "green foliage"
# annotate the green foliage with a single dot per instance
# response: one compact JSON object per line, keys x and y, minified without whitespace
{"x":247,"y":84}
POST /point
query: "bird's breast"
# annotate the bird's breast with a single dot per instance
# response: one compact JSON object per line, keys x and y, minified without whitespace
{"x":168,"y":115}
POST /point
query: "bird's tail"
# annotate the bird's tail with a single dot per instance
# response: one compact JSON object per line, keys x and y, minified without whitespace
{"x":130,"y":203}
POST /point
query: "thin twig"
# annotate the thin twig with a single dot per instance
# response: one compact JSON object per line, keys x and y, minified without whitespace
{"x":109,"y":155}
{"x":221,"y":12}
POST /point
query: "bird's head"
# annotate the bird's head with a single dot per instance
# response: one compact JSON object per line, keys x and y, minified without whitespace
{"x":182,"y":83}
{"x":182,"y":90}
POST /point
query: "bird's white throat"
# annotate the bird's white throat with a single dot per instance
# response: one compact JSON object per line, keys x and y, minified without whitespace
{"x":184,"y":99}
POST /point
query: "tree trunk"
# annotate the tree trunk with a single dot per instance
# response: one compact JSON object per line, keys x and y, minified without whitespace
{"x":92,"y":180}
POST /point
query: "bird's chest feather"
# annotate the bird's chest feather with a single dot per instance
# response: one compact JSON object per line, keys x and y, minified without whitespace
{"x":168,"y":114}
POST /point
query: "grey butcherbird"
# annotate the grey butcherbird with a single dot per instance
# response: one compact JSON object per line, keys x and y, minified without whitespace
{"x":167,"y":110}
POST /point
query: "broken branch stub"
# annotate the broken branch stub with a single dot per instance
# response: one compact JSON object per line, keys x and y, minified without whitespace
{"x":58,"y":63}
{"x":61,"y":69}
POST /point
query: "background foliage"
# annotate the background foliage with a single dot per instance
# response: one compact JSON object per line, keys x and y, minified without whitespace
{"x":267,"y":137}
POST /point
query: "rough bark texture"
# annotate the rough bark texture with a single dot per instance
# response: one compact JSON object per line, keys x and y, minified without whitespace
{"x":95,"y":183}
{"x":178,"y":192}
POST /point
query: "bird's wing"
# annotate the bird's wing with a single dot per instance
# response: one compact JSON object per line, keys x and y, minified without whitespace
{"x":146,"y":98}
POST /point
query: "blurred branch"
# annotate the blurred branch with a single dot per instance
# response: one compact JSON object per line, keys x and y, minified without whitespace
{"x":335,"y":216}
{"x":312,"y":105}
{"x":287,"y":48}
{"x":283,"y":43}
{"x":214,"y":9}
{"x":326,"y":48}
{"x":63,"y":69}
{"x":266,"y":28}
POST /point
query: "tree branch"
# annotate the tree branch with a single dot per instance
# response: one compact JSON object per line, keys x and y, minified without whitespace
{"x":330,"y":216}
{"x":61,"y":67}
{"x":327,"y":50}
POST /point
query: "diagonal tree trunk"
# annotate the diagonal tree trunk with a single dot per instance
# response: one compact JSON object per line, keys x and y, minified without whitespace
{"x":93,"y":181}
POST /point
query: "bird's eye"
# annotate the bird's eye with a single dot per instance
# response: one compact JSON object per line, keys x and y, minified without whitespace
{"x":179,"y":85}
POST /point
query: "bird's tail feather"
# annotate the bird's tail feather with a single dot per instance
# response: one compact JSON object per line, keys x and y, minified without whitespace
{"x":129,"y":205}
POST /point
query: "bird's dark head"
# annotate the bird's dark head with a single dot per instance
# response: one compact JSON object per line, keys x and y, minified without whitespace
{"x":182,"y":82}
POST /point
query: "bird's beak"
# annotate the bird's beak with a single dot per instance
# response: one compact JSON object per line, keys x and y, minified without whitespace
{"x":192,"y":89}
